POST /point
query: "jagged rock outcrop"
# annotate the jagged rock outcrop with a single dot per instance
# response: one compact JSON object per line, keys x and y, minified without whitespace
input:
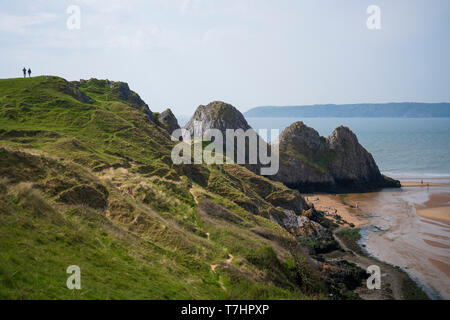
{"x":303,"y":226}
{"x":70,"y":88}
{"x":337,"y":163}
{"x":217,"y":115}
{"x":168,"y":120}
{"x":118,"y":90}
{"x":308,"y":162}
{"x":122,"y":90}
{"x":222,"y":116}
{"x":318,"y":238}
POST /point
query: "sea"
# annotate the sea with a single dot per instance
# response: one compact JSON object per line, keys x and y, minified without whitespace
{"x":403,"y":148}
{"x":411,"y":150}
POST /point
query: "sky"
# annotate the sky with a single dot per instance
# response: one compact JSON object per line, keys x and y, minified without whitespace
{"x":183,"y":53}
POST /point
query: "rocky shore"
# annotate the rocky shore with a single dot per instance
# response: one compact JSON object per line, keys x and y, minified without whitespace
{"x":308,"y":162}
{"x":101,"y":179}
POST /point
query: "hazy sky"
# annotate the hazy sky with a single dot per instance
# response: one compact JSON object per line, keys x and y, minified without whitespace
{"x":182,"y":53}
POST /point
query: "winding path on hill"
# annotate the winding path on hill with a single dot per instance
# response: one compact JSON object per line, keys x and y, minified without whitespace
{"x":226,"y":262}
{"x":191,"y":191}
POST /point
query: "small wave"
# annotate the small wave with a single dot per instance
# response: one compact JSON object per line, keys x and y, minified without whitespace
{"x":417,"y":175}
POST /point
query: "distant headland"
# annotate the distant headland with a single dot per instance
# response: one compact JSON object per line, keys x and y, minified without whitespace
{"x":361,"y":110}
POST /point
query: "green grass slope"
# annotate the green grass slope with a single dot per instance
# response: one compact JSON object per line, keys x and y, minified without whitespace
{"x":86,"y":179}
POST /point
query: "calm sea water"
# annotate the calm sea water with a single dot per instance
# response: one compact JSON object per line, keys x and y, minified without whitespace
{"x":402,"y":147}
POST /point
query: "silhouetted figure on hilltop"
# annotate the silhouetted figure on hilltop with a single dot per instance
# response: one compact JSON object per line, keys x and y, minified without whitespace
{"x":29,"y":73}
{"x":24,"y":72}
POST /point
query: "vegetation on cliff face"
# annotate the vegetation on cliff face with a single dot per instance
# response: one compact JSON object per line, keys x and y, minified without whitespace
{"x":337,"y":163}
{"x":217,"y":115}
{"x":87,"y":180}
{"x":168,"y":120}
{"x":308,"y":162}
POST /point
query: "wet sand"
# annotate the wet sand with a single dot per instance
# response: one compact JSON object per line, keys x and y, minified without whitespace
{"x":441,"y":266}
{"x":437,"y":236}
{"x":436,"y":244}
{"x":393,"y":232}
{"x":423,"y":185}
{"x":440,"y":213}
{"x":436,"y":208}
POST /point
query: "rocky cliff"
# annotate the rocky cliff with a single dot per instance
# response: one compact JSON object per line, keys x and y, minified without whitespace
{"x":308,"y":162}
{"x":222,"y":116}
{"x":83,"y":169}
{"x":337,"y":163}
{"x":217,"y":115}
{"x":114,"y":91}
{"x":168,"y":120}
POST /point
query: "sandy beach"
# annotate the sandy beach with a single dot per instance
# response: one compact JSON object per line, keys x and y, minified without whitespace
{"x":437,"y":207}
{"x":334,"y":204}
{"x":407,"y":227}
{"x":423,"y":184}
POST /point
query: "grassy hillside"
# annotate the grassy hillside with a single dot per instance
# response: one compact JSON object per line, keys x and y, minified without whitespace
{"x":87,"y":180}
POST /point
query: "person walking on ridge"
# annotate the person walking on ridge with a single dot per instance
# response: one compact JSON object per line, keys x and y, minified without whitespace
{"x":24,"y":72}
{"x":29,"y":73}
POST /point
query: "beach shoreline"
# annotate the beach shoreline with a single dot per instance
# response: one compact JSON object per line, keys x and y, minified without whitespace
{"x":423,"y":184}
{"x":407,"y":227}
